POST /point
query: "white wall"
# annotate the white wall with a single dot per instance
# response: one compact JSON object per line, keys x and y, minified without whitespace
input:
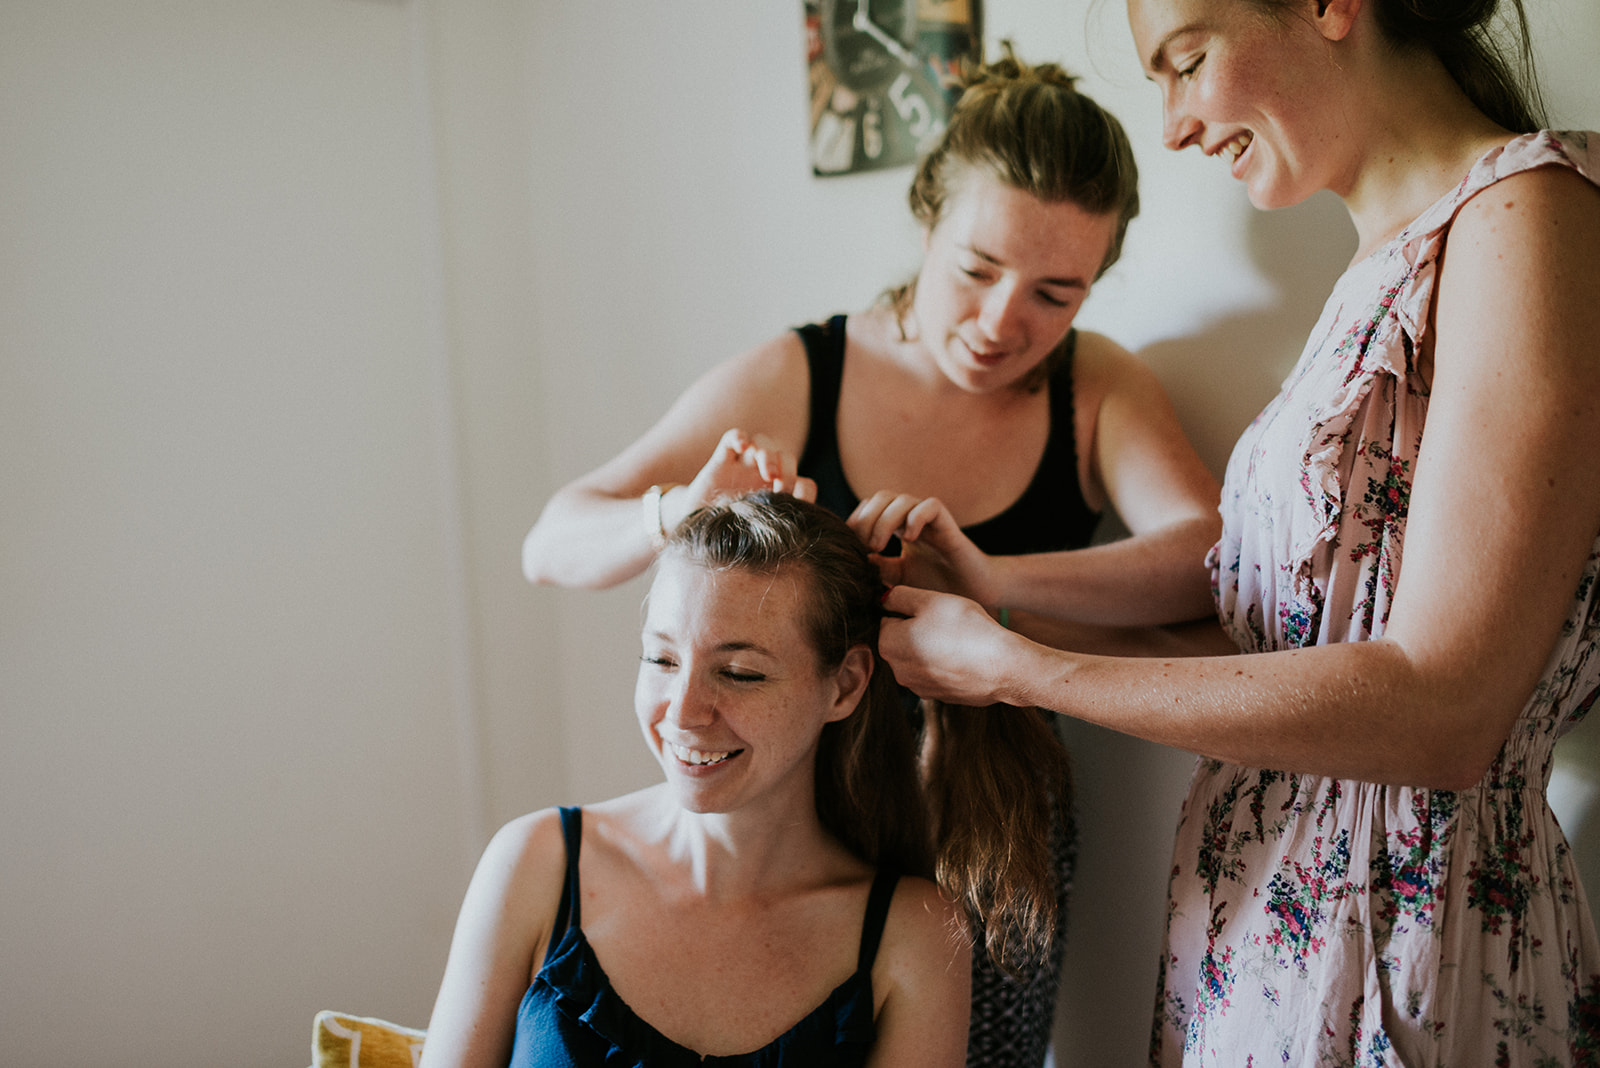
{"x":304,"y":309}
{"x":265,"y":457}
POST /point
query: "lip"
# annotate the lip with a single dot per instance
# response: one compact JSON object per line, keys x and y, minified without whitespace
{"x":985,"y":358}
{"x":1240,"y":162}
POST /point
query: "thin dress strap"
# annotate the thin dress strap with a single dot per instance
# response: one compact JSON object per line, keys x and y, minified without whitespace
{"x":572,"y":834}
{"x":877,"y":913}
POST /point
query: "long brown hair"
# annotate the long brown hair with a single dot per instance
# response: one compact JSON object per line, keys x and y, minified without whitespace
{"x":868,"y":792}
{"x":1000,"y":792}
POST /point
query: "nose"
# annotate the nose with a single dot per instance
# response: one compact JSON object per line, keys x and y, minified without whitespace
{"x":691,"y":702}
{"x":1001,"y":313}
{"x":1179,"y":129}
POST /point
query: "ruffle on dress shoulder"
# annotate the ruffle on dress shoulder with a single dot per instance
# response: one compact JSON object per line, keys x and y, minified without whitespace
{"x":1377,"y":344}
{"x":839,"y":1031}
{"x":1382,"y":341}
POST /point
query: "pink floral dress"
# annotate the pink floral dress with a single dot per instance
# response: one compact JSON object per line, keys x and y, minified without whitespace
{"x":1317,"y":921}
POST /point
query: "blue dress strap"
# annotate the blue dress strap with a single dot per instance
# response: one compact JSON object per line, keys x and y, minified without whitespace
{"x":877,"y":915}
{"x":572,"y":834}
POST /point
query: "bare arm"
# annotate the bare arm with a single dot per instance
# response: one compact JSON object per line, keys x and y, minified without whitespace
{"x":1504,"y":509}
{"x":503,"y":929}
{"x":592,"y":533}
{"x":924,"y":968}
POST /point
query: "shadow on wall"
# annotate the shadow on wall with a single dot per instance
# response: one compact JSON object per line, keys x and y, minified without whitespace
{"x":1575,"y":798}
{"x":1222,"y":376}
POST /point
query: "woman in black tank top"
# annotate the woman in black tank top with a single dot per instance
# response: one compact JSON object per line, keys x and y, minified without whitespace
{"x":963,"y":400}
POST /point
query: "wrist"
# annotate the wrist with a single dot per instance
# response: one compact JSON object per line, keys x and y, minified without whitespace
{"x":653,"y":514}
{"x":997,"y":594}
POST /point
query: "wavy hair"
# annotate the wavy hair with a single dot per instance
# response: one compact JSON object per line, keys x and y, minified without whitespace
{"x":999,"y":784}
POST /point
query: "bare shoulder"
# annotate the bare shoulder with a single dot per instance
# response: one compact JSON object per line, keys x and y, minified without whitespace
{"x":1553,"y":193}
{"x":923,"y":931}
{"x":1116,"y":388}
{"x":511,"y":904}
{"x":778,"y":359}
{"x":1548,"y":218}
{"x":1102,"y":366}
{"x":922,"y":980}
{"x":763,"y":390}
{"x":526,"y":859}
{"x":1522,"y":264}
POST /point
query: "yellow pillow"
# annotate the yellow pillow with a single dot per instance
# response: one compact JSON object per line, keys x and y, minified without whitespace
{"x":340,"y":1041}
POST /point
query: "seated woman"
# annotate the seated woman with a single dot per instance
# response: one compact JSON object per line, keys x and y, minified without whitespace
{"x":762,"y":904}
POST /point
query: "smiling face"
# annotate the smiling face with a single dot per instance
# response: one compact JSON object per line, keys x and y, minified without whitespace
{"x":730,"y":696}
{"x":1003,"y":276}
{"x":1249,"y":86}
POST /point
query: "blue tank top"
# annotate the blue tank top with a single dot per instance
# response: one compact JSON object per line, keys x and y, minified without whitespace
{"x":572,"y":1018}
{"x":1050,"y":515}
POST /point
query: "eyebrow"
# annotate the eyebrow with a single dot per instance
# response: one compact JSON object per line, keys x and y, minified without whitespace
{"x":1068,"y":283}
{"x":1158,"y":57}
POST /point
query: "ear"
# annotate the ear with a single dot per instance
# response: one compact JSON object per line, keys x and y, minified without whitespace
{"x":850,"y":680}
{"x":1334,"y":19}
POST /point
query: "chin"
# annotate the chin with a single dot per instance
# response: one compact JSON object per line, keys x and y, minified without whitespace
{"x":701,"y":802}
{"x":1269,"y":195}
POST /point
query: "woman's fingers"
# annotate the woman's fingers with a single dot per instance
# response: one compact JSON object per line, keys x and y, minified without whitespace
{"x":885,"y":515}
{"x":939,"y":645}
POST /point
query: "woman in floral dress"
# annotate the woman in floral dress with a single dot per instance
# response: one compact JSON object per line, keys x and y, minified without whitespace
{"x":1366,"y":870}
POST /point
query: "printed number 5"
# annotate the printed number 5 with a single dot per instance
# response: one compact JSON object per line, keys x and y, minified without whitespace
{"x":911,"y":107}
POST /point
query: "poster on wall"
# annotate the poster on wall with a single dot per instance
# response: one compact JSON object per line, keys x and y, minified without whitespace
{"x":883,"y":76}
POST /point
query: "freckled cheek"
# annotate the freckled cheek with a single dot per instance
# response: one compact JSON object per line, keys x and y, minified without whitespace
{"x":939,"y":303}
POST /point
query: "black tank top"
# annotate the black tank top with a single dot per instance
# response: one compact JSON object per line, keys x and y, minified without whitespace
{"x":1050,"y":515}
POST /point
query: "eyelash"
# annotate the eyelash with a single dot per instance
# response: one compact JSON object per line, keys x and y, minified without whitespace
{"x":731,"y":674}
{"x":1188,"y":72}
{"x":979,"y":276}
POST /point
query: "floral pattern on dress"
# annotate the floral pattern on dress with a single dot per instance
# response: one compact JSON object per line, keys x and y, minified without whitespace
{"x":1316,"y":921}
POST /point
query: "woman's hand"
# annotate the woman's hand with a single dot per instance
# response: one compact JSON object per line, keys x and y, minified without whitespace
{"x":740,"y":463}
{"x":946,"y":647}
{"x":935,"y":553}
